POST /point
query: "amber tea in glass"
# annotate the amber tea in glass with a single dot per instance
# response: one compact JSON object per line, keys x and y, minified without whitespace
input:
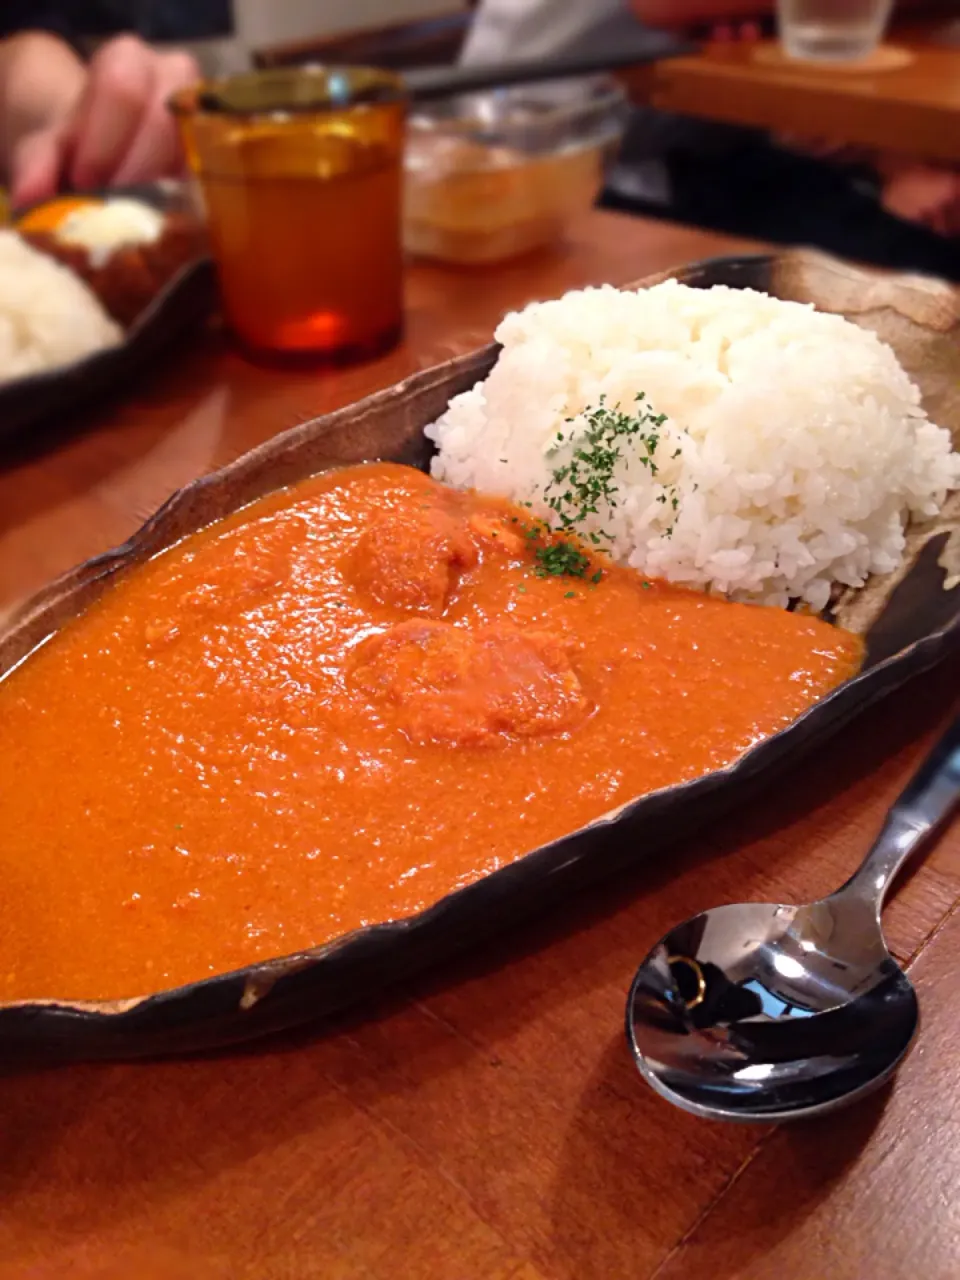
{"x":301,"y":171}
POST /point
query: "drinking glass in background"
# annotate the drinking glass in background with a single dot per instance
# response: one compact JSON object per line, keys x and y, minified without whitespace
{"x":832,"y":30}
{"x":301,"y":175}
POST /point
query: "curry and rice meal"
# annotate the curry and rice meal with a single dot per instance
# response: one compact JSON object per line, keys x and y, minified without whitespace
{"x":339,"y":704}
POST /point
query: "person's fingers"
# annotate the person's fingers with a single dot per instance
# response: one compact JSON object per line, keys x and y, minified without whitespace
{"x":155,"y":152}
{"x":919,"y":194}
{"x":35,"y":167}
{"x":119,"y":89}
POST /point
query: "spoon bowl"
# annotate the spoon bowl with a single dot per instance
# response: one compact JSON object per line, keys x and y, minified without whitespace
{"x":748,"y":1013}
{"x":762,"y":1011}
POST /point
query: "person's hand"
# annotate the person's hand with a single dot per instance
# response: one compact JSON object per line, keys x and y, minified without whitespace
{"x":925,"y":194}
{"x":120,"y":131}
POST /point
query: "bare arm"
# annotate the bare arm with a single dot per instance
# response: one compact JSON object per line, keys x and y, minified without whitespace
{"x":41,"y":80}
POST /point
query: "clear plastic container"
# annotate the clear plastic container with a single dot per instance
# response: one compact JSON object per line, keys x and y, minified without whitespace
{"x":490,"y":176}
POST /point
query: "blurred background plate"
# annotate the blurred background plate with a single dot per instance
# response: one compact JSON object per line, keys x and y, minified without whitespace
{"x":185,"y":301}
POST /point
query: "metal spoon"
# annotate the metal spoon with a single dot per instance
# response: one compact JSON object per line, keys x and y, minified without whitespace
{"x":767,"y":1012}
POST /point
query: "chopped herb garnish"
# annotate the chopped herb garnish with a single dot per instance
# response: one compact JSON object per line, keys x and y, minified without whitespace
{"x":583,"y":486}
{"x":554,"y":559}
{"x":569,"y":595}
{"x":645,"y":584}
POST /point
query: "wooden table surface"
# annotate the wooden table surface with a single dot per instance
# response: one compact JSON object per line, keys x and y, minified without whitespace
{"x":486,"y":1123}
{"x":913,"y":108}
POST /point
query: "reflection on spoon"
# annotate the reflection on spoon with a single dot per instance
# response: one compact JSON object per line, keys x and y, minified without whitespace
{"x":765,"y":1012}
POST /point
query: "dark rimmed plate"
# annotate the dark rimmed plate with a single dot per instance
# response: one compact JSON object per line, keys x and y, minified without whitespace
{"x":184,"y":302}
{"x":911,"y":620}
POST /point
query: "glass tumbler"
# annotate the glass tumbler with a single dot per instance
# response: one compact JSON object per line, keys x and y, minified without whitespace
{"x":832,"y":30}
{"x":301,"y":174}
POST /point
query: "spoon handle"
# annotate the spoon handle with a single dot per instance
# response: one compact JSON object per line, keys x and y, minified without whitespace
{"x":927,"y":801}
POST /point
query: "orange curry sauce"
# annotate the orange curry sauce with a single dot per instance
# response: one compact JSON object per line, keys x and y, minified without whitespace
{"x":337,"y":706}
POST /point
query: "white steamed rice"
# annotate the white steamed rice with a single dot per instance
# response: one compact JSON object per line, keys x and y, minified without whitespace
{"x":801,"y":446}
{"x":48,"y":316}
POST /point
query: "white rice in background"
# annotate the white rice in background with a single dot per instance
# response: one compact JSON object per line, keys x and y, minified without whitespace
{"x":801,"y":446}
{"x":48,"y":316}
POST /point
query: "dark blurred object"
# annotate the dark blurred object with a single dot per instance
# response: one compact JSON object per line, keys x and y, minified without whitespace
{"x":433,"y":42}
{"x":36,"y":15}
{"x":601,"y":53}
{"x":752,"y":188}
{"x":428,"y":42}
{"x":154,"y":20}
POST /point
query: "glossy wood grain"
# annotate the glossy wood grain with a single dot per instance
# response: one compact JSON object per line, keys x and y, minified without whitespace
{"x":914,"y":108}
{"x":486,"y":1124}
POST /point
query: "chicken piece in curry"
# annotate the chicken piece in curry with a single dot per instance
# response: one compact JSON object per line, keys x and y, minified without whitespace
{"x":468,"y":686}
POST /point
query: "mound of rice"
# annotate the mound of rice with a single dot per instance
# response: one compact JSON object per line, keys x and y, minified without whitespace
{"x":793,"y":454}
{"x":48,"y":316}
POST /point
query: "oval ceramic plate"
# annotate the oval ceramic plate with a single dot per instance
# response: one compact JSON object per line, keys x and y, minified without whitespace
{"x":183,"y":302}
{"x":911,"y":621}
